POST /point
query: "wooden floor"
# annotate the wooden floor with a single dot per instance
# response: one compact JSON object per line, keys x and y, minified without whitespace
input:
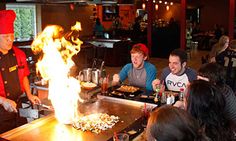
{"x":193,"y":62}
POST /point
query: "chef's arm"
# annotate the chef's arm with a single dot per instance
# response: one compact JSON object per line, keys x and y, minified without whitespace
{"x":8,"y":105}
{"x":34,"y":99}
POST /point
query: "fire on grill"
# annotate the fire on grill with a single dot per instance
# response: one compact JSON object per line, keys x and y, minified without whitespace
{"x":96,"y":122}
{"x":54,"y":65}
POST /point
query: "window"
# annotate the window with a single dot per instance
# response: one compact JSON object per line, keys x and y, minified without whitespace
{"x":25,"y":23}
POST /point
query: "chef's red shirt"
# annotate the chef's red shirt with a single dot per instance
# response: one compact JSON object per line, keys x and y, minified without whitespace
{"x":22,"y":68}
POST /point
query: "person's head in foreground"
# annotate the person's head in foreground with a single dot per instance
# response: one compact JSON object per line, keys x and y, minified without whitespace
{"x":177,"y":61}
{"x":139,"y":53}
{"x":169,"y":123}
{"x":7,"y":18}
{"x":213,"y":73}
{"x":206,"y":104}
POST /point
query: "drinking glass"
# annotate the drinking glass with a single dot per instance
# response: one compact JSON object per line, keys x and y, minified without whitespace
{"x":160,"y":88}
{"x":104,"y":85}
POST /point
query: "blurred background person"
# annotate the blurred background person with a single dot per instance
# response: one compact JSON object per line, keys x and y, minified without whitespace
{"x":116,"y":26}
{"x":206,"y":103}
{"x":219,"y":47}
{"x":140,"y":72}
{"x":136,"y":34}
{"x":13,"y":75}
{"x":215,"y":74}
{"x":227,"y":59}
{"x":169,"y":123}
{"x":98,"y":29}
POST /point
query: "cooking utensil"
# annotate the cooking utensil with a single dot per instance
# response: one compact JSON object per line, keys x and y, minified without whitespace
{"x":86,"y":75}
{"x":29,"y":113}
{"x":46,"y":106}
{"x":96,"y":74}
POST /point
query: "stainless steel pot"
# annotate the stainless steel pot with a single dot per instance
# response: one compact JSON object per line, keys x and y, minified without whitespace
{"x":86,"y":75}
{"x":96,"y":73}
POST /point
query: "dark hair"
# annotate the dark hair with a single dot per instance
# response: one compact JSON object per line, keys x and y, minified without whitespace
{"x":206,"y":104}
{"x":181,"y":54}
{"x":169,"y":123}
{"x":214,"y":72}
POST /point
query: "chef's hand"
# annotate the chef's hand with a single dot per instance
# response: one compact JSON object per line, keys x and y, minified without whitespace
{"x":155,"y":83}
{"x":8,"y":104}
{"x":34,"y":99}
{"x":116,"y":79}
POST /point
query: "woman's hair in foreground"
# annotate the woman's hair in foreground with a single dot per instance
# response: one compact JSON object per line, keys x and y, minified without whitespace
{"x":169,"y":123}
{"x":206,"y":104}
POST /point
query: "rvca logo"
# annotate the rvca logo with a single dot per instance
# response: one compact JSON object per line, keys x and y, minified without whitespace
{"x":176,"y":84}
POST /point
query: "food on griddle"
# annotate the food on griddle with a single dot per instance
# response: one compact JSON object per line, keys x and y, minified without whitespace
{"x":116,"y":93}
{"x":143,"y":96}
{"x":129,"y":89}
{"x":96,"y":122}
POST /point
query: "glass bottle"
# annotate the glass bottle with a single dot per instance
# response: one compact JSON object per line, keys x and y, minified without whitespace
{"x":181,"y":94}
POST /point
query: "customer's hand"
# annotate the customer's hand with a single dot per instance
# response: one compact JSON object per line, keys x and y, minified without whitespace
{"x":34,"y":99}
{"x":116,"y":79}
{"x":155,"y":83}
{"x":8,"y":104}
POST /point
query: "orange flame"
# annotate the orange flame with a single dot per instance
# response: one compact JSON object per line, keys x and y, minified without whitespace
{"x":54,"y":66}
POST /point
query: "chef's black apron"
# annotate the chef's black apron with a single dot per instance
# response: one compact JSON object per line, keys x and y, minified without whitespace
{"x":9,"y":71}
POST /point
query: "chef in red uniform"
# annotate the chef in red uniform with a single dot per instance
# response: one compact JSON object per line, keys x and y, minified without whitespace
{"x":13,"y":73}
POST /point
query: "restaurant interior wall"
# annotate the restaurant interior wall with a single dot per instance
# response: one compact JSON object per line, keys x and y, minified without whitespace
{"x":212,"y":12}
{"x":173,"y":12}
{"x":126,"y":12}
{"x":63,"y":15}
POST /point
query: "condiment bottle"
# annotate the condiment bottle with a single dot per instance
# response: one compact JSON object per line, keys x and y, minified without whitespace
{"x":181,"y":94}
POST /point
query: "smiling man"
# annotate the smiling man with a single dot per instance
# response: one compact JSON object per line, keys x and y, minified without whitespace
{"x":140,"y":72}
{"x":177,"y":75}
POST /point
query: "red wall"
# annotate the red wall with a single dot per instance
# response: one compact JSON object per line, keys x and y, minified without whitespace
{"x":126,"y":13}
{"x":212,"y":12}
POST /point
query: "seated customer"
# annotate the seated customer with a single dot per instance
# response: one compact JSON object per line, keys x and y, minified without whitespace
{"x":140,"y":72}
{"x":227,"y":59}
{"x":206,"y":103}
{"x":219,"y":47}
{"x":169,"y":123}
{"x":98,"y":29}
{"x":214,"y":73}
{"x":177,"y":75}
